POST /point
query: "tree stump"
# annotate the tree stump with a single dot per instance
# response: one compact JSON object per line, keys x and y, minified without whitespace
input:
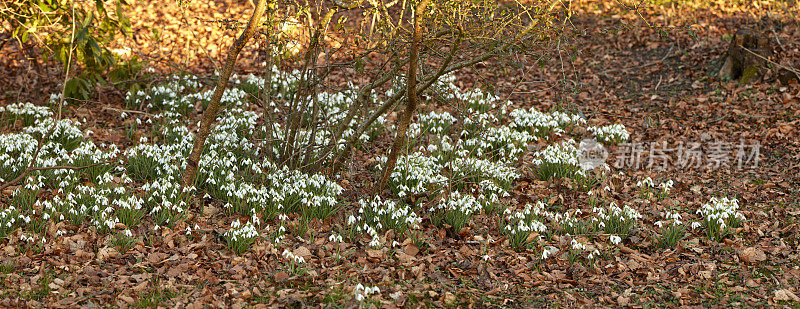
{"x":746,"y":56}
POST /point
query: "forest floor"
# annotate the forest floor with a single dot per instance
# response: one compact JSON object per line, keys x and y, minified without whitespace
{"x":642,"y":69}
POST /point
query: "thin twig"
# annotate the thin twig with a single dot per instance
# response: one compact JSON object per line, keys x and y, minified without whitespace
{"x":89,"y":296}
{"x":778,"y":40}
{"x":790,"y":69}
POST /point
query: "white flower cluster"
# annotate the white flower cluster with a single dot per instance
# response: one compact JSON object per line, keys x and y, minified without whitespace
{"x":471,"y":170}
{"x":168,"y":97}
{"x":8,"y":221}
{"x":333,"y":108}
{"x":66,"y":133}
{"x":490,"y":194}
{"x":444,"y":86}
{"x":558,"y":160}
{"x":719,"y":216}
{"x":615,"y":220}
{"x":16,"y":152}
{"x":564,"y":120}
{"x":166,"y":199}
{"x":149,"y":161}
{"x":292,"y":257}
{"x":646,"y":183}
{"x":476,"y":122}
{"x":541,"y":124}
{"x":88,"y":154}
{"x":436,"y":123}
{"x":564,"y":153}
{"x":361,"y":292}
{"x":378,"y":215}
{"x":672,"y":229}
{"x":570,"y":224}
{"x":283,"y":85}
{"x":245,"y":198}
{"x":483,"y":110}
{"x":534,"y":122}
{"x":241,"y":236}
{"x":520,"y":224}
{"x":445,"y":150}
{"x":335,"y":238}
{"x":671,"y":218}
{"x":129,"y":208}
{"x":414,"y":174}
{"x":610,"y":134}
{"x":575,"y":245}
{"x":26,"y":112}
{"x":482,"y":102}
{"x":666,"y":187}
{"x":299,"y":191}
{"x":500,"y":143}
{"x":455,"y":210}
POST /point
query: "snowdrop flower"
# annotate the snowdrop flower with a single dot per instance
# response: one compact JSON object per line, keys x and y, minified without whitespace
{"x":375,"y":242}
{"x":615,"y":239}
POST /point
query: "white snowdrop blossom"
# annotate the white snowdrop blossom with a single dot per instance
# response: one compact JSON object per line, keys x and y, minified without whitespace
{"x":335,"y":238}
{"x":362,"y":292}
{"x":292,"y":257}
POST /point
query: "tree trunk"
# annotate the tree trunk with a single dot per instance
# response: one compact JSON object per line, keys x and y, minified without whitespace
{"x":210,"y":115}
{"x":411,"y":106}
